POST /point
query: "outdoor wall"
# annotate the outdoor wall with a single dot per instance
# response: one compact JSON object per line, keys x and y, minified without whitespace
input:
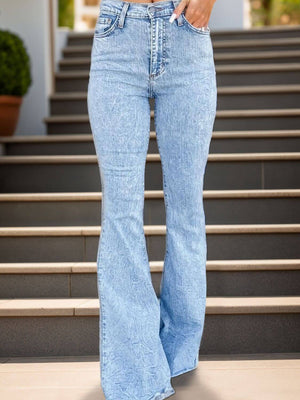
{"x":30,"y":20}
{"x":230,"y":14}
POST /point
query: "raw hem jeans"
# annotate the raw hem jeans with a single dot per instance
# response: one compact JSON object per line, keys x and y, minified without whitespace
{"x":138,"y":54}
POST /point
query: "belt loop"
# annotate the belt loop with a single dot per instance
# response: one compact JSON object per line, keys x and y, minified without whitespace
{"x":123,"y":14}
{"x":178,"y":19}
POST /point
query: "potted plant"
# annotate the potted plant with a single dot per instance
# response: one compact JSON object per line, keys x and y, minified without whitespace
{"x":15,"y":79}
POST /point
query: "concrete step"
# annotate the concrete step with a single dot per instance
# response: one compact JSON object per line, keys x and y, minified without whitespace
{"x":229,"y":98}
{"x":227,"y":45}
{"x":232,"y":325}
{"x":278,"y":277}
{"x":261,"y":32}
{"x":282,"y":140}
{"x":256,"y":57}
{"x":262,"y":119}
{"x":77,"y":173}
{"x":221,"y":207}
{"x":254,"y":45}
{"x":258,"y":97}
{"x":226,"y":75}
{"x":228,"y":120}
{"x":264,"y":376}
{"x":80,"y":243}
{"x":243,"y":57}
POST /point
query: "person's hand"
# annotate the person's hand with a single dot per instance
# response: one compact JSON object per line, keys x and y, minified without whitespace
{"x":197,"y":11}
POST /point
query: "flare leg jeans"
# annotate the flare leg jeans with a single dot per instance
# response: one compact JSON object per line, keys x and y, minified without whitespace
{"x":138,"y":54}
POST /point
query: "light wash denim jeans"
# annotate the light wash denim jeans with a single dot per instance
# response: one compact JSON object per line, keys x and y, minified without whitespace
{"x":138,"y":54}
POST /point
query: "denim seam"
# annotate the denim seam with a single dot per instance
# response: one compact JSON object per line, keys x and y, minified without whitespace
{"x":165,"y":197}
{"x":108,"y":31}
{"x":144,"y":248}
{"x":164,"y":42}
{"x":132,"y":14}
{"x":163,"y":59}
{"x":102,"y":315}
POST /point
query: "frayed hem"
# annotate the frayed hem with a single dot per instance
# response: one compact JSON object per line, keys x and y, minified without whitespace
{"x":185,"y":370}
{"x":164,"y":394}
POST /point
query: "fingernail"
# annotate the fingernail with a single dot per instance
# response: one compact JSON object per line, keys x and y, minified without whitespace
{"x":173,"y":16}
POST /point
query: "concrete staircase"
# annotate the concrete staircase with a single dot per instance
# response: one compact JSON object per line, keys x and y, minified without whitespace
{"x":50,"y":204}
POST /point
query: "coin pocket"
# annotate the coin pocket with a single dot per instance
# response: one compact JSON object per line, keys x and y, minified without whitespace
{"x":105,"y":25}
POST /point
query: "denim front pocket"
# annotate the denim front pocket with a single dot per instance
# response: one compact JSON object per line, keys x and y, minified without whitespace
{"x":201,"y":30}
{"x":105,"y":24}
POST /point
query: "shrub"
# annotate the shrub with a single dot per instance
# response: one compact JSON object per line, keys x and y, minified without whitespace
{"x":15,"y":76}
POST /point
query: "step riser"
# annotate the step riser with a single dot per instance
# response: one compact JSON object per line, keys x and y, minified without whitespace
{"x":257,"y":123}
{"x":283,"y":174}
{"x":84,"y":248}
{"x":254,"y":47}
{"x":257,"y":78}
{"x":239,"y":145}
{"x":225,"y":283}
{"x":271,"y":122}
{"x":247,"y":34}
{"x":223,"y":334}
{"x":236,"y":78}
{"x":258,"y":101}
{"x":254,"y":145}
{"x":217,"y":211}
{"x":225,"y":102}
{"x":63,"y":148}
{"x":280,"y":58}
{"x":221,"y":124}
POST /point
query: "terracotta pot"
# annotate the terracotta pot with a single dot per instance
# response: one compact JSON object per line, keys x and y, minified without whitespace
{"x":9,"y":114}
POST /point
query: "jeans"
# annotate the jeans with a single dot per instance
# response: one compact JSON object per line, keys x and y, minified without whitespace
{"x":138,"y":54}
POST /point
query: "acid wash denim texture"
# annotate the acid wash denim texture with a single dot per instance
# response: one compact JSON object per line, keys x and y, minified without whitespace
{"x":138,"y":54}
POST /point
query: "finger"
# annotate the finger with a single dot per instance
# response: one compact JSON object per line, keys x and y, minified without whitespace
{"x":178,"y":10}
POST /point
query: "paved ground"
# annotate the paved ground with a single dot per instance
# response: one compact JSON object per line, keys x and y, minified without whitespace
{"x":247,"y":377}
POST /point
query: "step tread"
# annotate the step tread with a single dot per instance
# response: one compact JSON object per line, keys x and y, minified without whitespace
{"x":217,"y":56}
{"x":237,"y":360}
{"x":90,"y":159}
{"x":87,"y":137}
{"x":231,"y":68}
{"x":255,"y":54}
{"x":259,"y":29}
{"x":259,"y":112}
{"x":254,"y":113}
{"x":153,"y":194}
{"x":148,"y":229}
{"x":280,"y":88}
{"x":155,"y":266}
{"x":256,"y":42}
{"x":90,"y":306}
{"x":285,"y":88}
